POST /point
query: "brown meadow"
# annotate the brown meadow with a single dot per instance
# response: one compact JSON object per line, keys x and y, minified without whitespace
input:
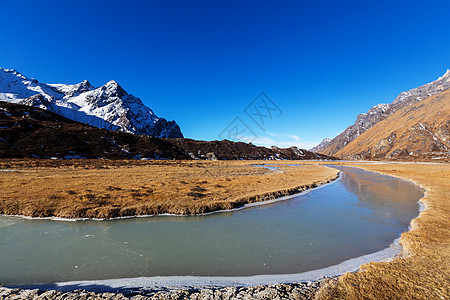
{"x":109,"y":189}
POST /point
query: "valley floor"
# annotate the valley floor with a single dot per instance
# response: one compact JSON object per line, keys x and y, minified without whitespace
{"x":422,"y":271}
{"x":110,"y":189}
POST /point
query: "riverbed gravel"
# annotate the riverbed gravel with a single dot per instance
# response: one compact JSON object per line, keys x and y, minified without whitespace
{"x":305,"y":290}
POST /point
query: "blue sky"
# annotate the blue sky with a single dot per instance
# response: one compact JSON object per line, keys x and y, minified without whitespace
{"x":202,"y":63}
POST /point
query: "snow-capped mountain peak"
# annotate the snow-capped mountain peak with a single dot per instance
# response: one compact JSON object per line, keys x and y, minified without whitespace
{"x":322,"y":145}
{"x":108,"y":106}
{"x":73,"y":90}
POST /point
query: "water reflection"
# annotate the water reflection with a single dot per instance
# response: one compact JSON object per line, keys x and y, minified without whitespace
{"x":383,"y":195}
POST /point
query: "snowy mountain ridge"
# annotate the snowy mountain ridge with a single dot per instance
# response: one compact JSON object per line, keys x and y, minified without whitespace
{"x":108,"y":106}
{"x":322,"y":145}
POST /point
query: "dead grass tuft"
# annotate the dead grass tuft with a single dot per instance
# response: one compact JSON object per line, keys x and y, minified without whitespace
{"x":198,"y":189}
{"x":196,"y":195}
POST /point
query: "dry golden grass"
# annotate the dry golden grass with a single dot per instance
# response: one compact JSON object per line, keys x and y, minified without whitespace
{"x":108,"y":189}
{"x":423,"y":269}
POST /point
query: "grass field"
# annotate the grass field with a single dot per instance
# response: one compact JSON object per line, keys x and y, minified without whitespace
{"x":108,"y":189}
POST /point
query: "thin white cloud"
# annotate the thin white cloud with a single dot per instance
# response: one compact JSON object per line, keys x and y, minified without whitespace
{"x":283,"y":140}
{"x":295,"y":137}
{"x":273,"y":134}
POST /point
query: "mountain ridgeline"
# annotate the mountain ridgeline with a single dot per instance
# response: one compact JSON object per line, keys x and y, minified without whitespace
{"x":109,"y":106}
{"x":31,"y":132}
{"x":416,"y":125}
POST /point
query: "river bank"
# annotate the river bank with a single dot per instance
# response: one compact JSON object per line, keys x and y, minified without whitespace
{"x":273,"y":291}
{"x":107,"y":189}
{"x":422,"y":271}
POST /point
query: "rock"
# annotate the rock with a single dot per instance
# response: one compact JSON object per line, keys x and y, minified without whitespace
{"x":272,"y":291}
{"x":211,"y":156}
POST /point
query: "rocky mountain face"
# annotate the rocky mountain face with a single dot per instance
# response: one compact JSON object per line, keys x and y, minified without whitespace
{"x":419,"y":131}
{"x":109,"y":106}
{"x":30,"y":132}
{"x":229,"y":150}
{"x":381,"y":112}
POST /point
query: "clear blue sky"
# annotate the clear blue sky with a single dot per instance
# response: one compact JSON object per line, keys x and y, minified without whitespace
{"x":202,"y":62}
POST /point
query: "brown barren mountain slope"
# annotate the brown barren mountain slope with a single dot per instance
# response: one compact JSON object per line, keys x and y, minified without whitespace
{"x":111,"y":190}
{"x":416,"y":131}
{"x":422,"y":270}
{"x":380,"y":112}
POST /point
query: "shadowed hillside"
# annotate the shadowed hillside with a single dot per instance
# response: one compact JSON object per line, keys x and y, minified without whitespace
{"x":27,"y":131}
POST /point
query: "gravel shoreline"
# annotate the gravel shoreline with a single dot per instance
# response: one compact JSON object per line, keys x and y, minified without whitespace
{"x":305,"y":290}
